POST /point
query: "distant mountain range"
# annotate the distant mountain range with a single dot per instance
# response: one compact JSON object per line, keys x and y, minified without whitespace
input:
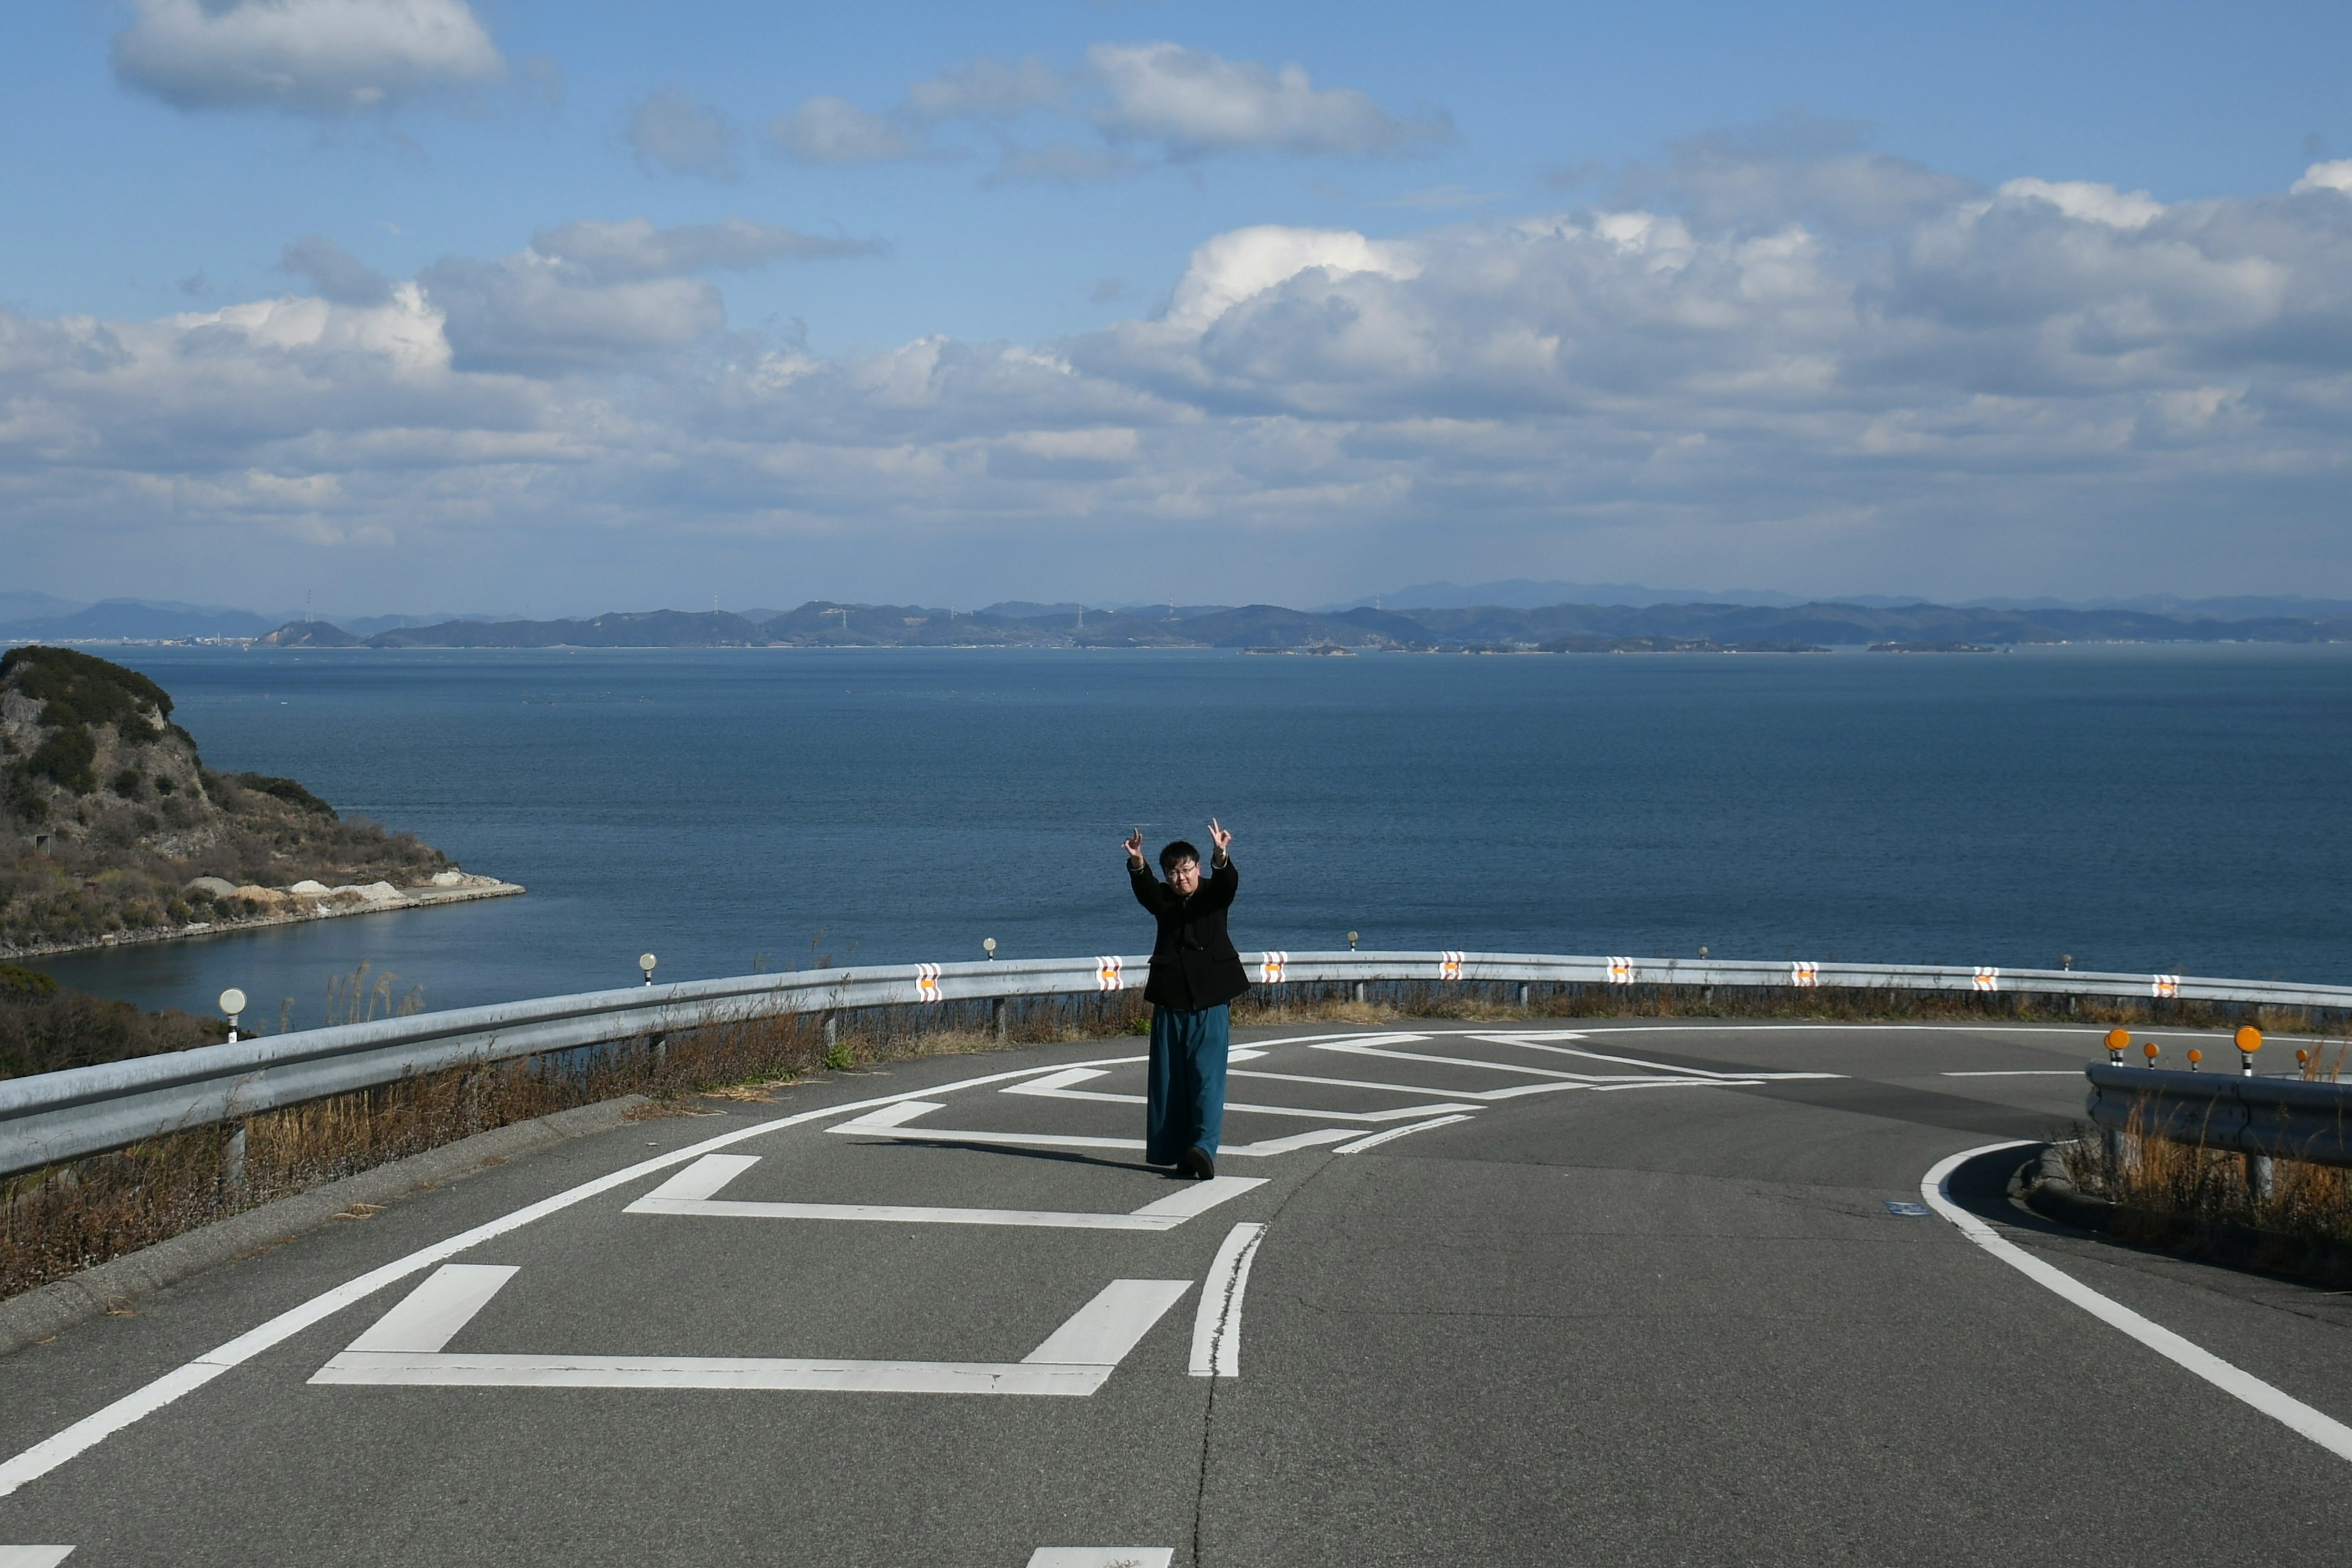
{"x":1580,"y":628}
{"x":1571,"y":618}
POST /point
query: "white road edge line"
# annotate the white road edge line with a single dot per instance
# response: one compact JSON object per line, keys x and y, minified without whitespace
{"x":2323,"y":1429}
{"x":1217,"y":1321}
{"x":2018,"y":1072}
{"x":1376,"y":1138}
{"x":50,"y":1556}
{"x":101,"y":1424}
{"x":1091,"y":1557}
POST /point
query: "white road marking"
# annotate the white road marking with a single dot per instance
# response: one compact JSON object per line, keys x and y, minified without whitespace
{"x":1217,"y":1321}
{"x":866,"y":1126}
{"x":1058,"y":1087}
{"x":50,"y":1556}
{"x":2323,"y":1429}
{"x":1535,"y":1045}
{"x":693,"y":1192}
{"x":1093,"y":1557}
{"x":1376,"y":1138}
{"x":46,"y":1456}
{"x":2019,"y":1072}
{"x":403,"y":1349}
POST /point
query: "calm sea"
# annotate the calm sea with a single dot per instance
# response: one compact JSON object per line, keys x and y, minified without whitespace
{"x":2179,"y":809}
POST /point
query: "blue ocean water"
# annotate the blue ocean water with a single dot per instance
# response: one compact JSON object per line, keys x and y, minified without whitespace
{"x":2147,"y":809}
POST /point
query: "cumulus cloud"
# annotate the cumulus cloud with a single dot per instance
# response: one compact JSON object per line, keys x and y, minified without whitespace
{"x":1181,"y":104}
{"x":2333,"y":175}
{"x":594,"y":295}
{"x":1817,"y":362}
{"x":675,"y":130}
{"x":324,"y":57}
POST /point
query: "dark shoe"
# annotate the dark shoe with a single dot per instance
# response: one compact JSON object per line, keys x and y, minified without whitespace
{"x":1197,"y":1164}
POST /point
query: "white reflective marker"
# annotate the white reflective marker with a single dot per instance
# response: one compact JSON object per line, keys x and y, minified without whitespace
{"x":694,"y":1192}
{"x":1217,"y":1321}
{"x":403,"y":1349}
{"x":2321,"y":1428}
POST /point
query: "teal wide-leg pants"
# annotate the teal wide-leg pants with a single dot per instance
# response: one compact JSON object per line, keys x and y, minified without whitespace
{"x":1185,"y":1083}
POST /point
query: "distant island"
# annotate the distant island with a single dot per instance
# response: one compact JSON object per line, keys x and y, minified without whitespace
{"x":1258,"y":628}
{"x":113,"y":829}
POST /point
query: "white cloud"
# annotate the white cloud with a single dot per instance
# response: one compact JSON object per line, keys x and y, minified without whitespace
{"x":2335,"y":175}
{"x":1197,"y":103}
{"x":311,"y":57}
{"x":1180,"y":103}
{"x":2090,"y":201}
{"x":1246,"y":262}
{"x":832,"y":131}
{"x":593,"y":294}
{"x":676,"y":132}
{"x":634,"y":248}
{"x":1836,"y":369}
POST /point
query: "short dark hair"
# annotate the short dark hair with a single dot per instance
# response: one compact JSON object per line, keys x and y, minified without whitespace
{"x":1176,"y":854}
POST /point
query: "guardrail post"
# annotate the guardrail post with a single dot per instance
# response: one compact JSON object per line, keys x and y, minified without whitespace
{"x":1525,"y":992}
{"x":1359,"y":991}
{"x":996,"y":1017}
{"x":2258,"y":1176}
{"x":832,"y":1032}
{"x":232,"y":1167}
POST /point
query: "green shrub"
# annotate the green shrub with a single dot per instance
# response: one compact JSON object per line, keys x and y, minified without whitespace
{"x":287,"y":790}
{"x":67,"y":758}
{"x":130,"y":783}
{"x":163,"y":785}
{"x":18,"y":984}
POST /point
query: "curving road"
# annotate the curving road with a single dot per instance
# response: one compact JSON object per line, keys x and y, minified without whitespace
{"x":1622,"y":1293}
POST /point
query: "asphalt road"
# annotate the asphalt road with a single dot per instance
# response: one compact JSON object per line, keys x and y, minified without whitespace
{"x":1624,"y":1294}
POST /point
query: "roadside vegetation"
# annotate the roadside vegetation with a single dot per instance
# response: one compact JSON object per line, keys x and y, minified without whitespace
{"x":2189,"y":1197}
{"x":108,"y":814}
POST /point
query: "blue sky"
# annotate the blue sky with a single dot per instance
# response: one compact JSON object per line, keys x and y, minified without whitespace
{"x":423,"y":304}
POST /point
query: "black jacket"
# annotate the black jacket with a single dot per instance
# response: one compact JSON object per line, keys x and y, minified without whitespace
{"x":1193,"y":964}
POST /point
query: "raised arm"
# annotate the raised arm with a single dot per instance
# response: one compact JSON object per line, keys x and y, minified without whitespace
{"x":1148,"y":890}
{"x":1223,"y":881}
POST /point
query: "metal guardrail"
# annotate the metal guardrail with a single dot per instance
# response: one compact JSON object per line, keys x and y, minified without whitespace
{"x":53,"y":1117}
{"x":2286,"y":1118}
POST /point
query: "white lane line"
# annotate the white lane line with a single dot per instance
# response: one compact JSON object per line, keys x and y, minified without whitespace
{"x":1684,"y":1083}
{"x":50,"y":1556}
{"x":1376,"y":1138}
{"x":1217,"y":1321}
{"x":2019,"y":1072}
{"x":1092,"y":1557}
{"x":403,"y":1349}
{"x":46,"y":1456}
{"x":2325,"y":1430}
{"x":1057,"y":1088}
{"x":693,"y":1192}
{"x":1534,"y":1044}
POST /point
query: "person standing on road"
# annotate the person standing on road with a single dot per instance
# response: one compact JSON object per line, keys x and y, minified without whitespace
{"x":1195,"y":973}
